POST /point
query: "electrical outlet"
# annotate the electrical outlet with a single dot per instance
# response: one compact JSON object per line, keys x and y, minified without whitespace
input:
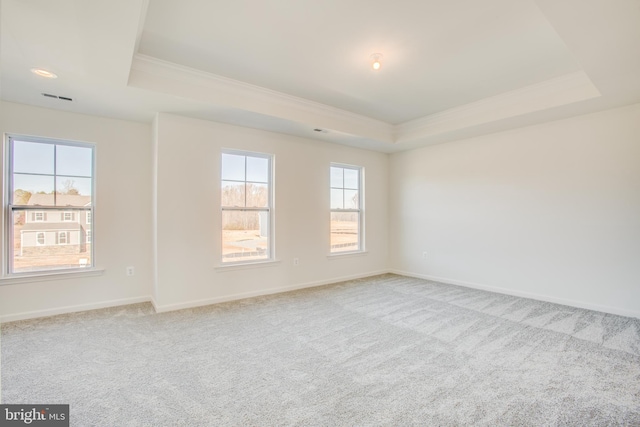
{"x":131,"y":271}
{"x":424,"y":255}
{"x":296,"y":261}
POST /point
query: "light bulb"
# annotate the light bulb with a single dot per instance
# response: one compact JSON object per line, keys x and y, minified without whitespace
{"x":376,"y":64}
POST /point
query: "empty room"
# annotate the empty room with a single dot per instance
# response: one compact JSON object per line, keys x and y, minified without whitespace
{"x":307,"y":213}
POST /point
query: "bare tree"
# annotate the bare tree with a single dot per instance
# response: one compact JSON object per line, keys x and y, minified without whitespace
{"x":69,"y":187}
{"x":234,"y":196}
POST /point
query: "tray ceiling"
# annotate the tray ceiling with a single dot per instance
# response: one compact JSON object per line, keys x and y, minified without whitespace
{"x":450,"y":69}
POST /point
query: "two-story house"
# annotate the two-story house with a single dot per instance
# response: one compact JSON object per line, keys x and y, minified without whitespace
{"x":56,"y":232}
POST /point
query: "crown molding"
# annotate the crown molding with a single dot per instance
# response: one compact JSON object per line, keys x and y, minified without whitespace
{"x":163,"y":76}
{"x":551,"y":93}
{"x":144,"y":7}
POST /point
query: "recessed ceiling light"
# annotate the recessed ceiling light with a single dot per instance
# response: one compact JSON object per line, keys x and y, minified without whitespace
{"x":44,"y":73}
{"x":375,"y":61}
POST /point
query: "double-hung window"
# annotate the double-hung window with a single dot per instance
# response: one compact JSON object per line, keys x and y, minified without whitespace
{"x":346,"y":208}
{"x":49,"y":191}
{"x":246,"y":202}
{"x":63,"y":237}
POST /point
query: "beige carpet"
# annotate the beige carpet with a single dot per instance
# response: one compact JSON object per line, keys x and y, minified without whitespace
{"x":388,"y":350}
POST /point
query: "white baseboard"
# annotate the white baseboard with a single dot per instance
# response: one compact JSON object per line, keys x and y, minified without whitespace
{"x":539,"y":297}
{"x":72,"y":309}
{"x":153,"y":302}
{"x":234,"y":297}
{"x":171,"y":307}
{"x":270,"y":291}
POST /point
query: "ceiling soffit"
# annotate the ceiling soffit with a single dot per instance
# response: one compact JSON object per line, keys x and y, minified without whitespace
{"x":173,"y":79}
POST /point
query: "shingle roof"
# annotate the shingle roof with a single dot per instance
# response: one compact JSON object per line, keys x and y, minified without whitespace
{"x":61,"y":200}
{"x":53,"y":226}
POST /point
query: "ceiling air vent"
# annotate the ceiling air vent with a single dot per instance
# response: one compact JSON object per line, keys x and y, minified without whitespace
{"x":63,"y":98}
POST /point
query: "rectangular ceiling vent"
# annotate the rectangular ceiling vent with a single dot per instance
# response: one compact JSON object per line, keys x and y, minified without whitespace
{"x":63,"y":98}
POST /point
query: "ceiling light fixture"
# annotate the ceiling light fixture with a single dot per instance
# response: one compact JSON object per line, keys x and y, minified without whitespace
{"x":375,"y":61}
{"x":44,"y":73}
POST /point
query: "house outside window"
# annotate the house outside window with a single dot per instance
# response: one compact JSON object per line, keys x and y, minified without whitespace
{"x":346,"y":209}
{"x":50,"y":191}
{"x":246,"y":202}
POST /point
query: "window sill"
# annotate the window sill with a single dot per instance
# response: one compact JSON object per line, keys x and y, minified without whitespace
{"x":347,"y":254}
{"x":59,"y":275}
{"x":245,"y":265}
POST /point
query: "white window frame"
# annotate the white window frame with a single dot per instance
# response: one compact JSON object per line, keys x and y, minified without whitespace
{"x":44,"y":238}
{"x":66,"y":238}
{"x":35,"y":216}
{"x":64,"y":216}
{"x":88,"y":235}
{"x":268,"y":209}
{"x":9,"y":208}
{"x":360,"y":210}
{"x":88,"y":218}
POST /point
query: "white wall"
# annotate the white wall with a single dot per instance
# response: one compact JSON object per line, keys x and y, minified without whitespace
{"x":188,"y":213}
{"x":551,"y":211}
{"x":122,"y":222}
